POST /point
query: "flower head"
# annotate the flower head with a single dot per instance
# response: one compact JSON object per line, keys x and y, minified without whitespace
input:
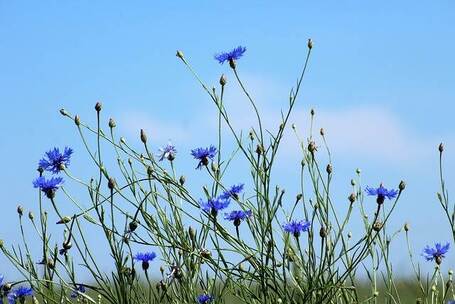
{"x":48,"y":186}
{"x":77,"y":291}
{"x":436,"y":253}
{"x":53,"y":161}
{"x":296,"y":227}
{"x":213,"y":205}
{"x":237,"y":216}
{"x":19,"y":294}
{"x":145,"y":258}
{"x":232,"y":192}
{"x":205,"y":298}
{"x":167,"y":152}
{"x":203,"y":155}
{"x":381,"y":193}
{"x":231,"y":56}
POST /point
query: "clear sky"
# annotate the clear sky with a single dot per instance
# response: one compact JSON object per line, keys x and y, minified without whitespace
{"x":380,"y":79}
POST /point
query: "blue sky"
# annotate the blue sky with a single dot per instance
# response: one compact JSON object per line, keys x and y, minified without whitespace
{"x":380,"y":78}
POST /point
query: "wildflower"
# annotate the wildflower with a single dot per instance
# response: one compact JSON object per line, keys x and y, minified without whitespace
{"x":436,"y":253}
{"x":214,"y":205}
{"x":145,"y":258}
{"x":19,"y":294}
{"x":54,"y":161}
{"x":167,"y":152}
{"x":205,"y":298}
{"x":203,"y":155}
{"x":232,"y":192}
{"x":381,"y":193}
{"x":237,"y":216}
{"x":296,"y":227}
{"x":77,"y":291}
{"x":48,"y":186}
{"x":231,"y":56}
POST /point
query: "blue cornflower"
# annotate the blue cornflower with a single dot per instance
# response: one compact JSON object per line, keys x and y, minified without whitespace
{"x":205,"y":298}
{"x":237,"y":216}
{"x":436,"y":253}
{"x":232,"y":192}
{"x":203,"y":155}
{"x":296,"y":227}
{"x":213,"y":205}
{"x":231,"y":56}
{"x":167,"y":152}
{"x":145,"y":258}
{"x":54,"y":160}
{"x":19,"y":294}
{"x":381,"y":193}
{"x":48,"y":186}
{"x":77,"y":291}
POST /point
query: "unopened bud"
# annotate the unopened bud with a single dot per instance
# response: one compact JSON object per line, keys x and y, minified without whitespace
{"x":223,"y":80}
{"x":143,"y":136}
{"x":182,"y":180}
{"x":329,"y":169}
{"x":179,"y":54}
{"x":192,"y":233}
{"x":441,"y":147}
{"x":20,"y":210}
{"x":310,"y":44}
{"x":133,"y":225}
{"x":64,"y":220}
{"x":259,"y":149}
{"x":402,"y":185}
{"x":77,"y":120}
{"x":358,"y":171}
{"x":111,"y":183}
{"x":63,"y":112}
{"x":322,"y":132}
{"x":298,"y":197}
{"x":251,"y":135}
{"x":98,"y":106}
{"x":406,"y":227}
{"x":377,"y":226}
{"x":31,"y":216}
{"x":312,"y":112}
{"x":353,"y":182}
{"x":312,"y":147}
{"x":352,"y":197}
{"x":112,"y":123}
{"x":322,"y":232}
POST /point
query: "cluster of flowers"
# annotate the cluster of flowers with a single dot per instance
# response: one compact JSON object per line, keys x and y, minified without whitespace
{"x":54,"y":161}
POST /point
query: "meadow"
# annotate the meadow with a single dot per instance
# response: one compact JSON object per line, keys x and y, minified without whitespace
{"x":245,"y":242}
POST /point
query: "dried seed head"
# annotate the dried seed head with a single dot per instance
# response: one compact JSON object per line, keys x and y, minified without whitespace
{"x":112,"y":123}
{"x":143,"y":136}
{"x":98,"y":106}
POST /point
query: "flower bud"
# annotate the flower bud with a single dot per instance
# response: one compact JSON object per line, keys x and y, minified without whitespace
{"x":310,"y":44}
{"x":251,"y":135}
{"x":376,"y":294}
{"x":67,"y":245}
{"x":31,"y":216}
{"x":205,"y":253}
{"x":133,"y":225}
{"x":353,"y":182}
{"x":112,"y":123}
{"x":329,"y":169}
{"x":322,"y":232}
{"x":260,"y":149}
{"x":77,"y":120}
{"x":63,"y":112}
{"x":352,"y":197}
{"x":20,"y":210}
{"x":406,"y":227}
{"x":441,"y":147}
{"x":64,"y":220}
{"x":358,"y":171}
{"x":179,"y":54}
{"x":312,"y":147}
{"x":223,"y":80}
{"x":322,"y":132}
{"x":143,"y":136}
{"x":192,"y":233}
{"x":377,"y":226}
{"x":349,"y":234}
{"x":98,"y":106}
{"x":232,"y":63}
{"x":312,"y":112}
{"x":111,"y":183}
{"x":402,"y":185}
{"x":182,"y":180}
{"x":298,"y":197}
